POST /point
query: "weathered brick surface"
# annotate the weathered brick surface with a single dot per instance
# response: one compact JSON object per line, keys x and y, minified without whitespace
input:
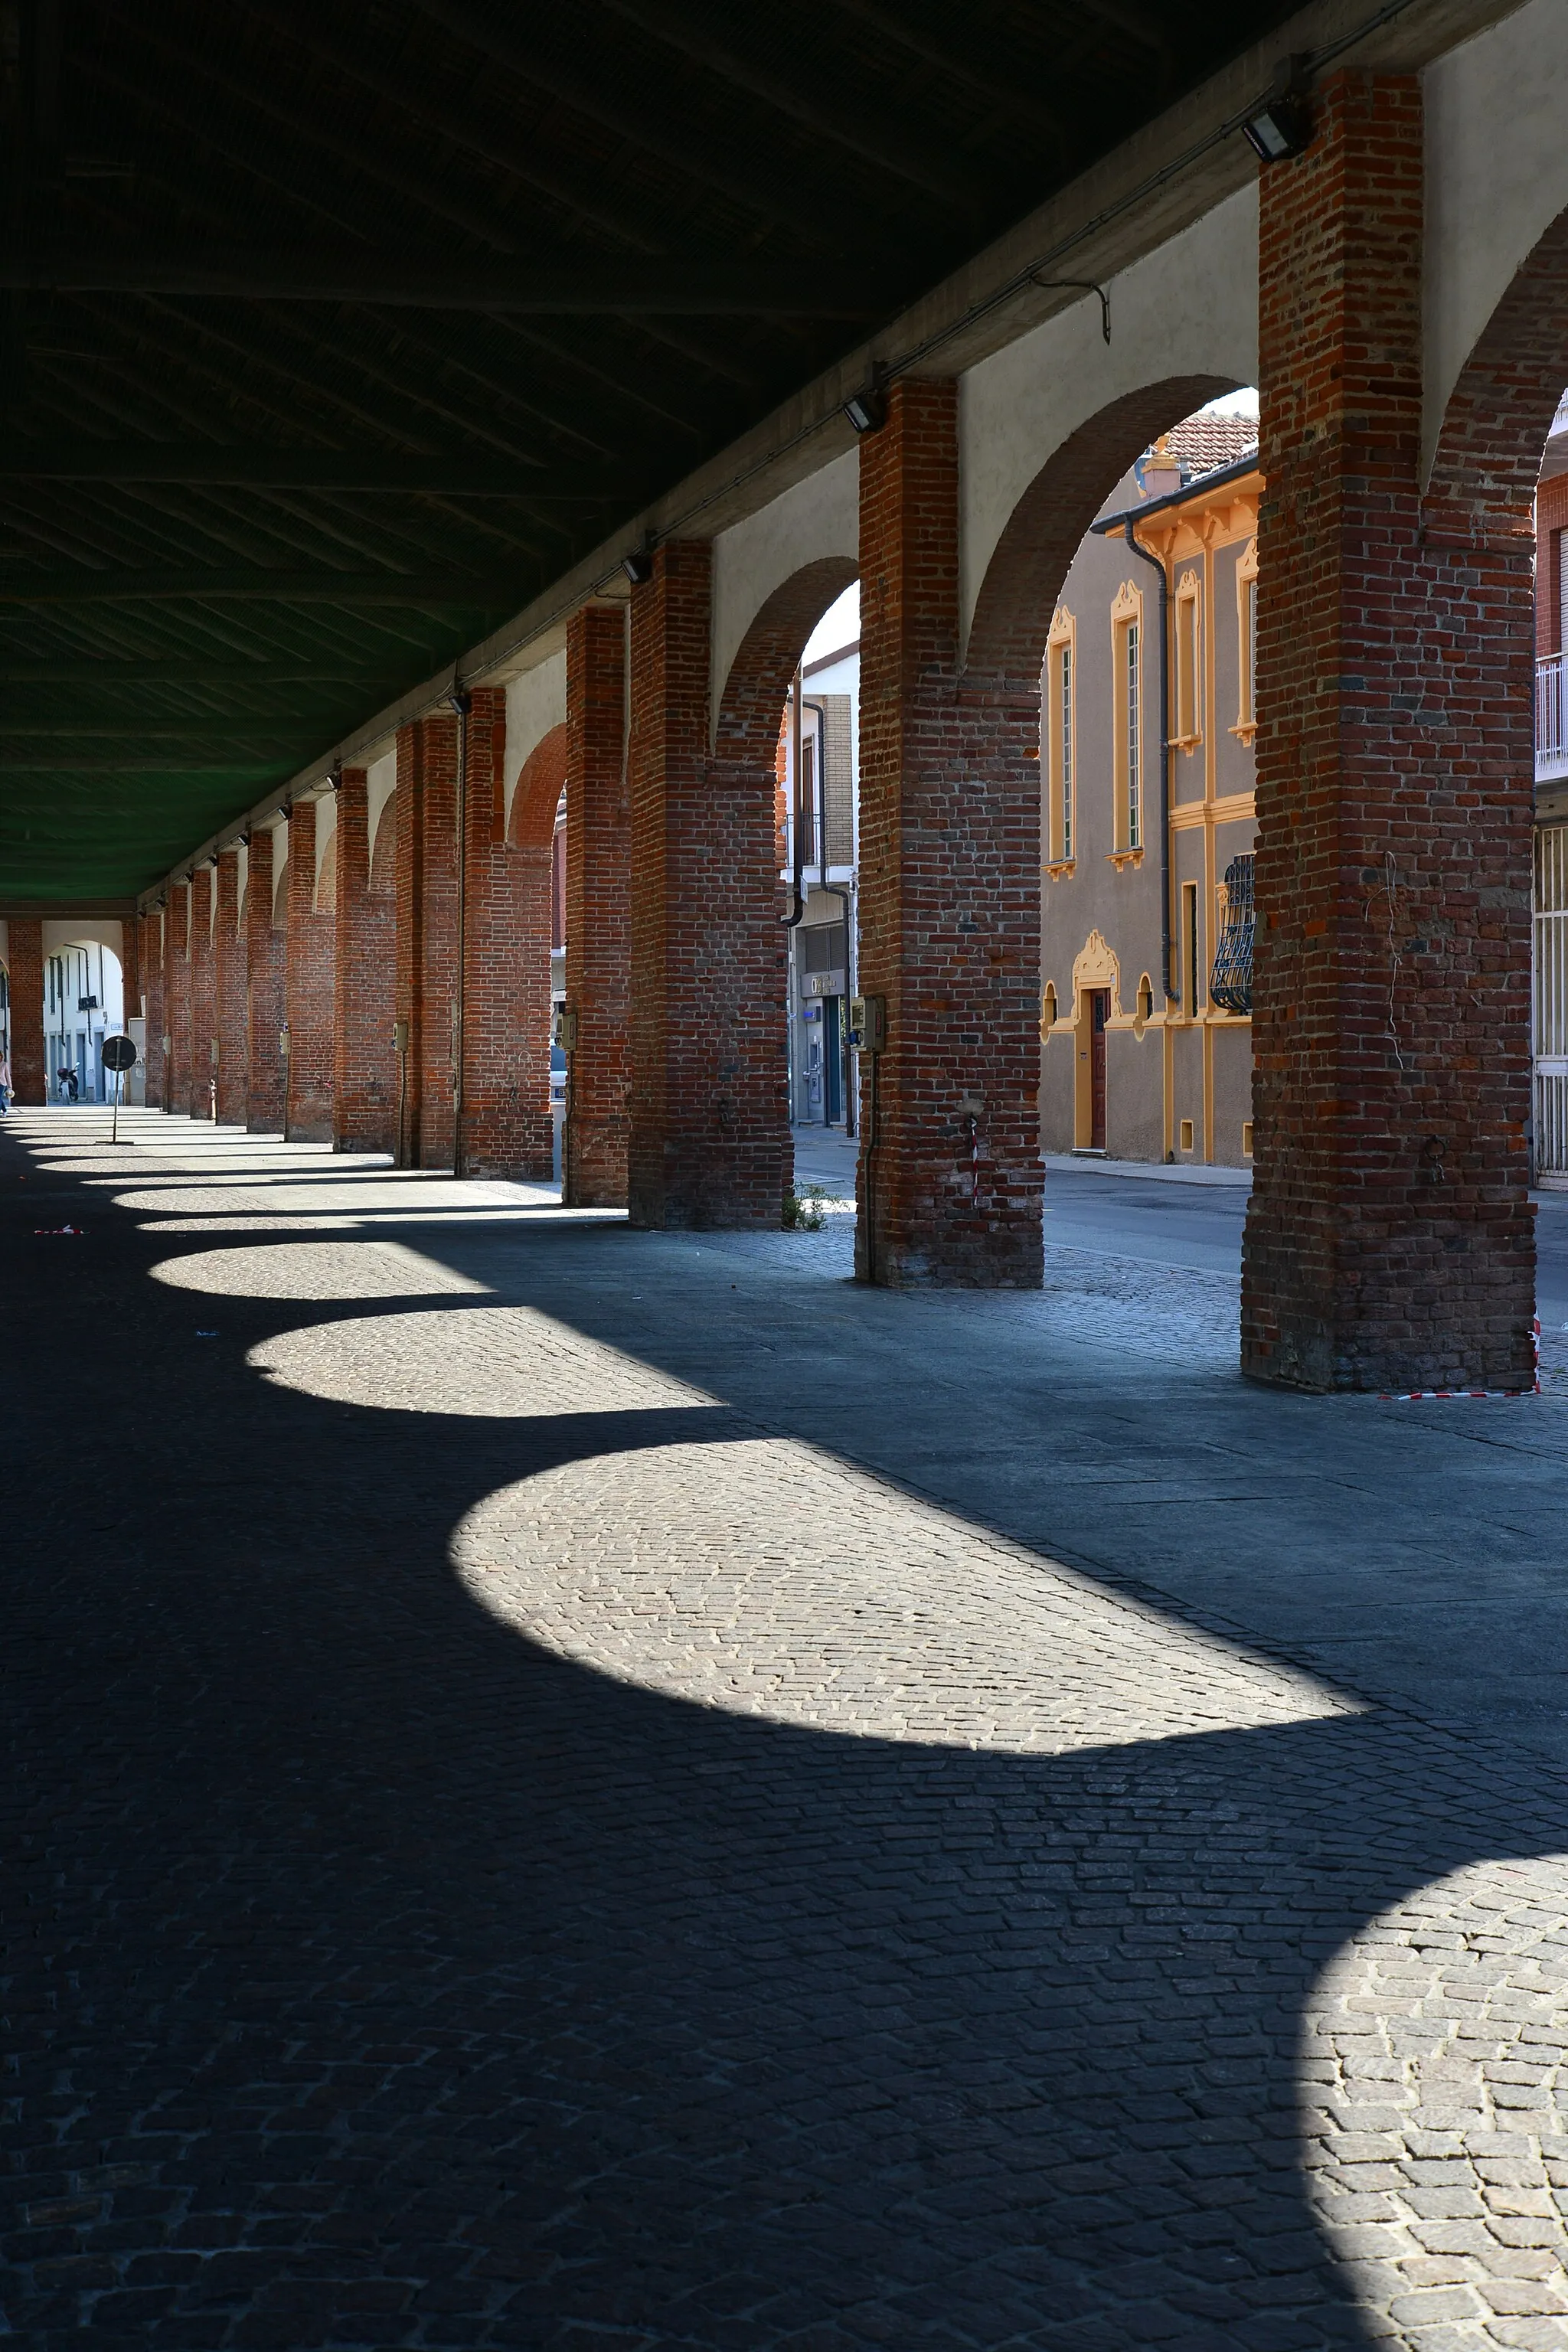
{"x":151,"y":924}
{"x":131,"y":965}
{"x":504,"y":1125}
{"x":1389,"y":1243}
{"x":204,"y":1000}
{"x":365,"y":1090}
{"x":427,"y":934}
{"x":708,"y":1143}
{"x":177,"y":998}
{"x":263,"y":943}
{"x":27,"y":981}
{"x":949,"y":887}
{"x":228,"y":992}
{"x":598,"y":882}
{"x":515,"y":886}
{"x":408,"y":891}
{"x":307,"y":984}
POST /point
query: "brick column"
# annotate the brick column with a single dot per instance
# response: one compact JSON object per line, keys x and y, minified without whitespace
{"x":177,"y":998}
{"x":27,"y":965}
{"x":203,"y":997}
{"x":264,"y":1103}
{"x":598,"y":871}
{"x":131,"y":966}
{"x":307,"y":988}
{"x":408,"y":961}
{"x":428,"y":933}
{"x":505,"y":1125}
{"x":949,"y":883}
{"x":1389,"y":1239}
{"x":364,"y":1086}
{"x":708,"y":1143}
{"x":152,"y":979}
{"x":228,"y":993}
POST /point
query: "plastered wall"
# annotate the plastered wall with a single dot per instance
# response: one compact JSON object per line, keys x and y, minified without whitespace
{"x":1496,"y":179}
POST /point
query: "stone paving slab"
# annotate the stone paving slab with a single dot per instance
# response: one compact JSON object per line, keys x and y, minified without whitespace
{"x":564,"y":1792}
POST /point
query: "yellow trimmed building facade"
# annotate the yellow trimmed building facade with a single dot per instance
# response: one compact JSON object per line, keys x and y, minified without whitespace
{"x":1147,"y":776}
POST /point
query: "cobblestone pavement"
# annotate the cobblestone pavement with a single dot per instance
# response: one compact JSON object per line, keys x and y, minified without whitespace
{"x":577,"y":1790}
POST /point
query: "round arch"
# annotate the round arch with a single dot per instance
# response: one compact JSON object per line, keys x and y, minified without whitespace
{"x":384,"y":849}
{"x":1023,"y":579}
{"x":536,"y":795}
{"x":1487,"y":459}
{"x":747,"y":732}
{"x":1478,"y":518}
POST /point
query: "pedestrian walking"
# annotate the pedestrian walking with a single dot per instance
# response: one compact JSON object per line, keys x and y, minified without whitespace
{"x":5,"y":1084}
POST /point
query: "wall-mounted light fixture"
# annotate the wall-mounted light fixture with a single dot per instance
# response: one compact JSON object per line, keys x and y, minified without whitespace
{"x":1282,"y":125}
{"x":638,"y":565}
{"x":868,"y":409}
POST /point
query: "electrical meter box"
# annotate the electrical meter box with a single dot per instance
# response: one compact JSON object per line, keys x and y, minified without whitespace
{"x":869,"y":1023}
{"x":566,"y":1027}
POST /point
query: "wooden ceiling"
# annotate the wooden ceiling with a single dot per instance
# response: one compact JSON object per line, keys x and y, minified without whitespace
{"x":331,"y":335}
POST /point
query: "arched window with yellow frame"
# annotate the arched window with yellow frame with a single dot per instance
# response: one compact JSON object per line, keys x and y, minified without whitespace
{"x":1126,"y":719}
{"x":1060,"y":718}
{"x":1189,"y":679}
{"x":1247,"y":641}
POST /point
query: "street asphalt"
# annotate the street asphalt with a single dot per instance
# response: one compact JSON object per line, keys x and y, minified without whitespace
{"x":1173,"y":1218}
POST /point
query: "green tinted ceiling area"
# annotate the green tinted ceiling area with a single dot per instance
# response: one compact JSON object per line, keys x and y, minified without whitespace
{"x":332,"y":335}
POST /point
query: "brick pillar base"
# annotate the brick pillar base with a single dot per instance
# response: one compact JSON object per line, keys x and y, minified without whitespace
{"x":364,"y":978}
{"x":1389,"y":1239}
{"x":264,"y":989}
{"x":177,"y":999}
{"x":228,"y":993}
{"x":709,"y":1140}
{"x":27,"y":954}
{"x":598,"y":865}
{"x":307,"y":984}
{"x":950,"y":884}
{"x":204,"y":1003}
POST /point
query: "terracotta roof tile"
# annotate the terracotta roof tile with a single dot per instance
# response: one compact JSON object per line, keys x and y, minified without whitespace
{"x":1200,"y":444}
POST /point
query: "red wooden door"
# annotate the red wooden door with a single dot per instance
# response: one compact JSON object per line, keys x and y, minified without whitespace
{"x":1100,"y":1014}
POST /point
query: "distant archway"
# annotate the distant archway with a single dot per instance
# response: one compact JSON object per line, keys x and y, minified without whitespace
{"x":536,"y":795}
{"x":384,"y":850}
{"x":751,"y":1033}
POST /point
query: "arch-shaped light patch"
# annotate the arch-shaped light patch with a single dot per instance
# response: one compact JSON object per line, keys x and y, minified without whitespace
{"x":1435,"y":2099}
{"x":496,"y":1363}
{"x":286,"y":1269}
{"x":765,"y":1578}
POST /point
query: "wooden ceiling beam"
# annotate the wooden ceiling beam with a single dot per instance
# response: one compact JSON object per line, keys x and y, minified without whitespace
{"x":457,"y":474}
{"x":195,"y":670}
{"x":83,"y":585}
{"x":918,"y":166}
{"x":759,"y":193}
{"x":361,"y":61}
{"x":351,"y":274}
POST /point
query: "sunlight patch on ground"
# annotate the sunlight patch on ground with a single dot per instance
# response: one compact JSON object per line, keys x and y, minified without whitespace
{"x":284,"y":1269}
{"x":1436,"y":2108}
{"x":781,"y":1583}
{"x":491,"y":1362}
